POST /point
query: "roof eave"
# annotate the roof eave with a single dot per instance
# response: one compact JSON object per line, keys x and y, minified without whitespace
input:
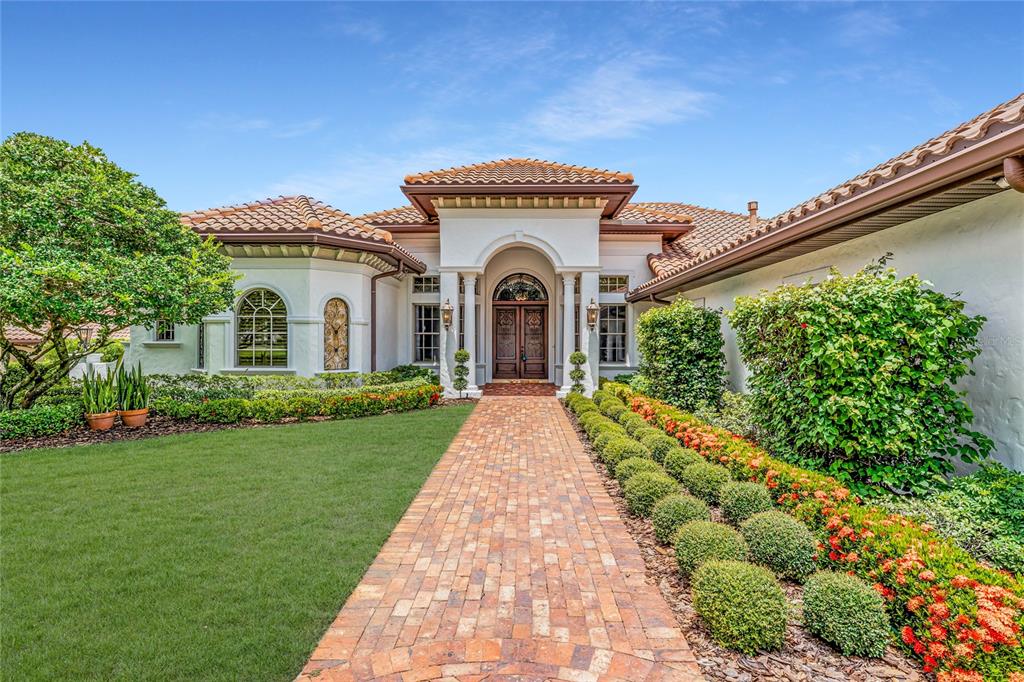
{"x":618,"y":195}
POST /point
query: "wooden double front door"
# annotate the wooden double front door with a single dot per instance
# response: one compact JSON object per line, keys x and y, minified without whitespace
{"x":520,"y":341}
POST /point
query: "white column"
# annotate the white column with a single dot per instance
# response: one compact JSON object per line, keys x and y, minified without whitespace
{"x":469,"y":304}
{"x":568,"y":329}
{"x":449,"y":337}
{"x":588,"y":336}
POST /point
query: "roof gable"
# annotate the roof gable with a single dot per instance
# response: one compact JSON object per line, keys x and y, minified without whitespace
{"x":515,"y":171}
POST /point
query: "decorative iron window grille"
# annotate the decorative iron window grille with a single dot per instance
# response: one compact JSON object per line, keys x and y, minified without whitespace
{"x":521,"y":287}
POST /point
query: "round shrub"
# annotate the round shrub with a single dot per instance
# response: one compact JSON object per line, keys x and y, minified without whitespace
{"x":674,"y":511}
{"x":659,"y":444}
{"x":601,"y":442}
{"x":678,"y":459}
{"x":846,"y":612}
{"x":740,"y":501}
{"x":705,"y":480}
{"x":644,"y":490}
{"x":781,"y":543}
{"x":631,"y":421}
{"x":645,"y":431}
{"x":742,"y":604}
{"x":598,"y":396}
{"x":631,"y":466}
{"x":613,"y":407}
{"x":621,"y":447}
{"x":582,"y":407}
{"x":589,"y":419}
{"x":700,"y":541}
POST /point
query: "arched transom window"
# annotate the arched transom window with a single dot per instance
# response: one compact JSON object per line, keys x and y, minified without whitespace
{"x":335,"y":334}
{"x":521,"y":287}
{"x":262,"y":330}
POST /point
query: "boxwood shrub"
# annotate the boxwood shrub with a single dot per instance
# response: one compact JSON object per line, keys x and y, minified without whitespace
{"x":631,"y":466}
{"x":659,"y":444}
{"x":678,"y":459}
{"x":700,"y":541}
{"x":645,"y":431}
{"x":742,"y":604}
{"x":631,"y":421}
{"x":673,"y":511}
{"x":621,"y":447}
{"x":40,"y":420}
{"x":644,"y":490}
{"x":741,"y":500}
{"x":781,"y":543}
{"x":705,"y":480}
{"x":846,"y":612}
{"x":613,"y":407}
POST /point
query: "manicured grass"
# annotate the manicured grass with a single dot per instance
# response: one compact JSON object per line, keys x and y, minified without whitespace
{"x":213,"y":556}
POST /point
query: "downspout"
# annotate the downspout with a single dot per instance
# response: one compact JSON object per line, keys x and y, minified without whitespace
{"x":373,"y":311}
{"x":655,"y":299}
{"x":1013,"y":171}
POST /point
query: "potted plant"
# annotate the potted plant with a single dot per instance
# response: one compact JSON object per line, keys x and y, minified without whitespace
{"x":132,"y":396}
{"x":99,"y":396}
{"x":461,"y":371}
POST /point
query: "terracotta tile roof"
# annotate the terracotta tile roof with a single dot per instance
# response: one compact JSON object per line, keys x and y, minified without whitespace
{"x":519,"y":172}
{"x":654,"y":213}
{"x":710,"y":228}
{"x":23,"y":337}
{"x":402,"y":215}
{"x":691,"y":250}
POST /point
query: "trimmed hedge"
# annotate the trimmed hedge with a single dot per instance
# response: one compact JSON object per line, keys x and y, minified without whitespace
{"x":741,"y":500}
{"x":781,"y":543}
{"x":40,"y":420}
{"x":632,"y":466}
{"x":700,"y":541}
{"x":645,"y":489}
{"x":678,"y":459}
{"x":705,"y":480}
{"x":673,"y":512}
{"x":620,"y":448}
{"x":631,"y":421}
{"x":742,"y":604}
{"x":658,"y":443}
{"x":844,"y":611}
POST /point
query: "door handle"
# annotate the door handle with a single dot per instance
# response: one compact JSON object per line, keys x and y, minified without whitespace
{"x":522,"y":353}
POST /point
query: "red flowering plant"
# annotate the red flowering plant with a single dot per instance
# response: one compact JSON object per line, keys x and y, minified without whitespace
{"x":963,"y":620}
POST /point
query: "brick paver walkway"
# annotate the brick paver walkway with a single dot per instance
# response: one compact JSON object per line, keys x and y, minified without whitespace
{"x":512,"y":563}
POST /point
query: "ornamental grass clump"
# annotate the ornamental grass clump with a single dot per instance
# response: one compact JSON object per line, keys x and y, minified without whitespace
{"x":700,"y":541}
{"x":631,"y":466}
{"x":742,"y":604}
{"x":781,"y":543}
{"x":621,"y":447}
{"x":674,"y":511}
{"x":646,"y":489}
{"x":740,"y":501}
{"x":678,"y":459}
{"x":846,"y":612}
{"x":705,"y":480}
{"x":659,"y":444}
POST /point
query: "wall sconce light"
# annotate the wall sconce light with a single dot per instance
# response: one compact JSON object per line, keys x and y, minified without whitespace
{"x":446,"y":314}
{"x":592,"y":310}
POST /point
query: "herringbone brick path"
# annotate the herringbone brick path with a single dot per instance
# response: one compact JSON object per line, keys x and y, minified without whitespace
{"x":511,"y":564}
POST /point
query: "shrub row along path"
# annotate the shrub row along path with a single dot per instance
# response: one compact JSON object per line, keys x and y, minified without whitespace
{"x":511,"y":563}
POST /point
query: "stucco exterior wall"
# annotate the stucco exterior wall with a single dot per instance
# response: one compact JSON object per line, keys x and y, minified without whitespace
{"x":626,"y":255}
{"x":976,"y":249}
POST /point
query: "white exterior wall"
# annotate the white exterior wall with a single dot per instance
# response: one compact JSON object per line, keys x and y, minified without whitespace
{"x":627,"y":255}
{"x":976,"y":249}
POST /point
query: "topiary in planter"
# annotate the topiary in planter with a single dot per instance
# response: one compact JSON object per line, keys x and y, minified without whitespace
{"x":700,"y":541}
{"x":678,"y":459}
{"x":846,"y":612}
{"x":631,"y":466}
{"x":659,"y":444}
{"x":644,"y":490}
{"x":621,"y":447}
{"x":674,"y":511}
{"x":705,"y":480}
{"x":740,"y":501}
{"x":781,"y":543}
{"x":742,"y":604}
{"x":577,"y":374}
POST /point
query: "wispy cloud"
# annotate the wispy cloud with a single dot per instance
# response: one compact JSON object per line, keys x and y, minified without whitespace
{"x":233,"y":123}
{"x":616,"y":100}
{"x":300,"y":128}
{"x":866,"y":28}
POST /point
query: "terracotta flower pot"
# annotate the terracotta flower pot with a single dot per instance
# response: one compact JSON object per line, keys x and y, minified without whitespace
{"x":101,"y":421}
{"x":134,"y":418}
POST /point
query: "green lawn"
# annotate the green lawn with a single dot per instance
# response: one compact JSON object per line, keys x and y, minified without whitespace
{"x":219,"y":555}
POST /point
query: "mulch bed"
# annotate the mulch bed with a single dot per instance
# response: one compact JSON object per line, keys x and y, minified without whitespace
{"x":156,"y":426}
{"x":804,"y":656}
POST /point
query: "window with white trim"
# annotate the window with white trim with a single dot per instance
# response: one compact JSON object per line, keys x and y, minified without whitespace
{"x":427,"y":333}
{"x":426,"y":284}
{"x":201,"y":346}
{"x":261,"y":330}
{"x":163,"y":331}
{"x":612,"y":329}
{"x":613,"y":284}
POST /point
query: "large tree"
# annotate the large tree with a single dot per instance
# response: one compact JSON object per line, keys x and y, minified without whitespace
{"x":82,"y":241}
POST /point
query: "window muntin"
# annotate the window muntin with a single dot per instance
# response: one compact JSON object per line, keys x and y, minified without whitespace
{"x":427,"y":333}
{"x":613,"y":284}
{"x":335,"y":335}
{"x":201,"y":346}
{"x":612,"y":329}
{"x":163,"y":331}
{"x":521,"y":287}
{"x":426,"y":284}
{"x":261,"y":324}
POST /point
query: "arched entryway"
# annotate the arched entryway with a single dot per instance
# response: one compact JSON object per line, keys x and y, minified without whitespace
{"x":520,"y":328}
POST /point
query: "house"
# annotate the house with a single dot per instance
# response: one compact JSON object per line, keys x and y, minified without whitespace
{"x":522,"y":261}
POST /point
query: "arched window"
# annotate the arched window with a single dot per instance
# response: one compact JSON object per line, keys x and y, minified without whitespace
{"x":262,"y":330}
{"x":521,"y":287}
{"x":335,"y":334}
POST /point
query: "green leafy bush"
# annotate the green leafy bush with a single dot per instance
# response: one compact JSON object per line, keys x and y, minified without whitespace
{"x":645,"y":489}
{"x":781,"y":543}
{"x":621,"y":447}
{"x":612,"y":408}
{"x":631,"y":466}
{"x":659,"y":444}
{"x":631,"y":421}
{"x":644,"y":432}
{"x":741,"y":500}
{"x":700,"y":541}
{"x":678,"y":459}
{"x":681,"y":354}
{"x":603,"y":439}
{"x":673,"y":511}
{"x":599,"y":395}
{"x":743,"y":605}
{"x":112,"y":352}
{"x":577,"y":374}
{"x":734,"y":413}
{"x":845,"y":611}
{"x":40,"y":420}
{"x":705,"y":480}
{"x":856,"y":376}
{"x":582,"y":408}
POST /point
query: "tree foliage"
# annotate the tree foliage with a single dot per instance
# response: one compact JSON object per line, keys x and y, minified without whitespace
{"x":856,"y":376}
{"x":82,"y":241}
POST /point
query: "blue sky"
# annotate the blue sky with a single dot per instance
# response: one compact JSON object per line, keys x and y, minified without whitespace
{"x":714,"y":104}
